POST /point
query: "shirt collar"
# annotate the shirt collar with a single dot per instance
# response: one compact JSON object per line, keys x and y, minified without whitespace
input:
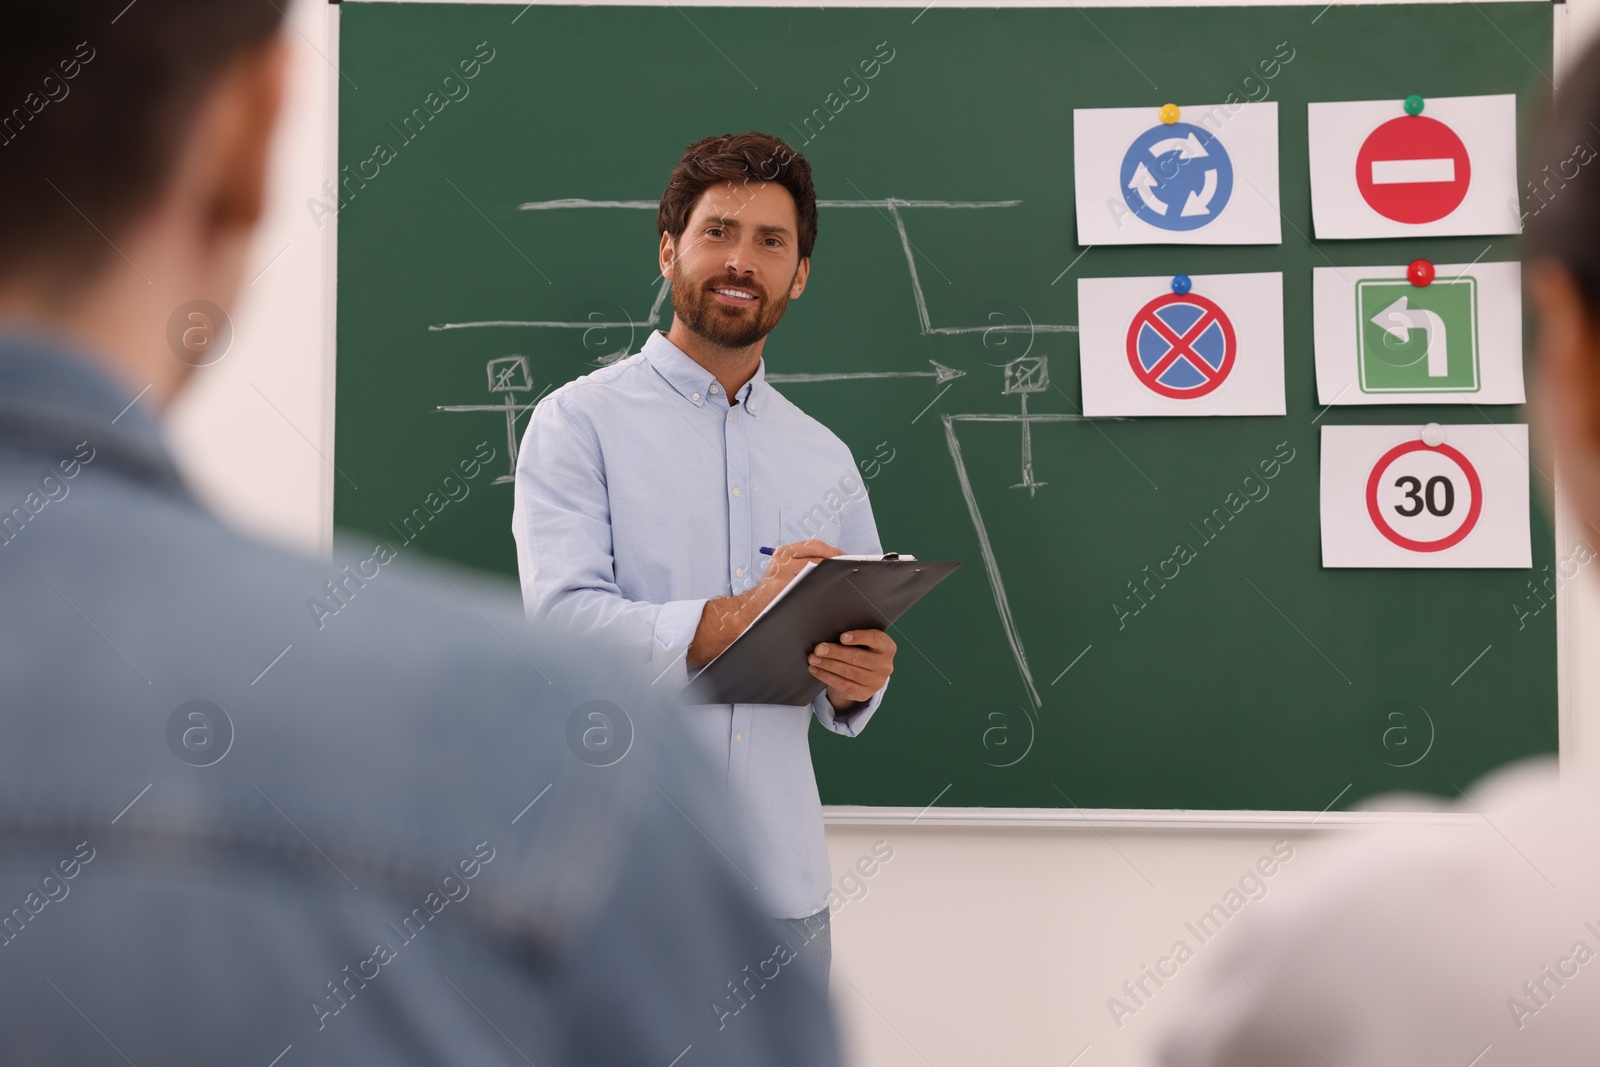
{"x":694,"y":381}
{"x":53,"y":396}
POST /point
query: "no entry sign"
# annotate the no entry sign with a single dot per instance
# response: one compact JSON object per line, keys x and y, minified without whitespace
{"x":1450,"y":171}
{"x":1413,"y":169}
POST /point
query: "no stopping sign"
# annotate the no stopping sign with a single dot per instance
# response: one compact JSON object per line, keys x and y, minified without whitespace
{"x":1424,"y":498}
{"x":1181,"y":345}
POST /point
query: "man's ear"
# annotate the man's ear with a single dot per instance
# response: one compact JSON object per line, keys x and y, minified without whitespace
{"x":668,"y":255}
{"x":1564,"y":408}
{"x":1568,"y":347}
{"x":801,"y":273}
{"x":240,"y":134}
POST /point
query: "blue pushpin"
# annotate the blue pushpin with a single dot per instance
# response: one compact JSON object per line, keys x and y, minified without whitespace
{"x":1181,"y":284}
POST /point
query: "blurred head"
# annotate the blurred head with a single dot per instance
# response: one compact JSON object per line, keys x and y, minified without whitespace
{"x":133,"y":158}
{"x":739,"y":214}
{"x":1563,"y":281}
{"x":1412,"y":943}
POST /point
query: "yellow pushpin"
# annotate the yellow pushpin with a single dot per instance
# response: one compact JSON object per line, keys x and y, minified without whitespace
{"x":1169,"y":113}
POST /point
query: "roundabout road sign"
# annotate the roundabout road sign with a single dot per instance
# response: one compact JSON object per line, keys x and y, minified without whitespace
{"x":1176,"y":176}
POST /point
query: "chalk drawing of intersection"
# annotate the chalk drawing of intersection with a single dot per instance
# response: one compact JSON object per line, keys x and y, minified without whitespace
{"x":889,"y":208}
{"x":1020,"y":379}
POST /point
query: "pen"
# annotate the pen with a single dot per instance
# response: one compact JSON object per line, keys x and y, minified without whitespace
{"x":767,"y":551}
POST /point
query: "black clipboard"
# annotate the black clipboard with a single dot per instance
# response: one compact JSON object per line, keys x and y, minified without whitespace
{"x":767,"y":663}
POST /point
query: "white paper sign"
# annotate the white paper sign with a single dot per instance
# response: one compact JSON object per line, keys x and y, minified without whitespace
{"x":1378,"y":172}
{"x":1436,"y":496}
{"x":1215,"y":350}
{"x":1211,"y":178}
{"x":1382,"y":340}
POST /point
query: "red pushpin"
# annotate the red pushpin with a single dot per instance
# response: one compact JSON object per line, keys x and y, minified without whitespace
{"x":1420,"y":272}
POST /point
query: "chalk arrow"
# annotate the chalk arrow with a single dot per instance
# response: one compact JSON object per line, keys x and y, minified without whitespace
{"x":1187,"y":147}
{"x":1200,"y":203}
{"x":1398,"y":321}
{"x":1143,"y":180}
{"x":940,"y":374}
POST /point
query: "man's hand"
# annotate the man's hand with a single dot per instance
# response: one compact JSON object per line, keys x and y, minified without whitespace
{"x":725,"y":618}
{"x":854,"y":668}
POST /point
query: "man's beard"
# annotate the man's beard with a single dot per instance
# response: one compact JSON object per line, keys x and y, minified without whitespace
{"x":724,"y":325}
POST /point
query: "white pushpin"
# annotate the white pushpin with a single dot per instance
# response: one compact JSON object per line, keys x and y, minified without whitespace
{"x":1433,"y":435}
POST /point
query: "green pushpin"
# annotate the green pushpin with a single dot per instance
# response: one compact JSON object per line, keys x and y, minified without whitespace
{"x":1413,"y":104}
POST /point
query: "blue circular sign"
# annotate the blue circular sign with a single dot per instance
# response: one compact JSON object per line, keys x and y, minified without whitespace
{"x":1181,"y":345}
{"x":1176,"y":177}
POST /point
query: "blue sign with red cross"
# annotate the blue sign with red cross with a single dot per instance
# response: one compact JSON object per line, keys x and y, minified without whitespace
{"x":1181,"y":345}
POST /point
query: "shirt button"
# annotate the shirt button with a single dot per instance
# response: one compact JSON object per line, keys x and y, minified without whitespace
{"x":738,"y":572}
{"x":736,"y":491}
{"x":695,"y":396}
{"x":715,"y":389}
{"x":739,"y":736}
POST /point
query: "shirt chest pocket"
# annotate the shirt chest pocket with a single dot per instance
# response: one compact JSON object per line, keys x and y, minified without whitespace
{"x":797,"y":525}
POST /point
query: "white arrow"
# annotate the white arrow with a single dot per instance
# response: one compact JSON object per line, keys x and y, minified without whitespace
{"x":1199,"y":203}
{"x":1142,"y":180}
{"x":1398,"y":321}
{"x":1187,"y":147}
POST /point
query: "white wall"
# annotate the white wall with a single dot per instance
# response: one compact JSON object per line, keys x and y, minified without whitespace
{"x":973,"y":944}
{"x":256,"y":428}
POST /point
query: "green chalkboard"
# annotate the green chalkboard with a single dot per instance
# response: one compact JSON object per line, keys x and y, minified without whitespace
{"x":1256,"y":680}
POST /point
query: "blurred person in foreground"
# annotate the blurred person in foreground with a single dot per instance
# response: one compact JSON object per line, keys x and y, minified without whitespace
{"x":233,"y":829}
{"x":1472,"y":945}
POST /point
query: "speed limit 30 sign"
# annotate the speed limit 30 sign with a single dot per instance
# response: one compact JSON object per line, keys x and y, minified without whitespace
{"x":1434,"y":496}
{"x":1423,"y":497}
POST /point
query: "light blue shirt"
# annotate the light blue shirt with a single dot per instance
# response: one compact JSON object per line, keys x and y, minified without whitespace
{"x":640,"y":495}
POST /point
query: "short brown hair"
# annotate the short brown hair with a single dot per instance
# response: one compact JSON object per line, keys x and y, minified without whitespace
{"x":738,"y":157}
{"x":96,"y":97}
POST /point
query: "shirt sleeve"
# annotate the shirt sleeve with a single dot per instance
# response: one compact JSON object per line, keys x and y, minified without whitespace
{"x":851,"y":722}
{"x":858,"y":536}
{"x":561,"y":521}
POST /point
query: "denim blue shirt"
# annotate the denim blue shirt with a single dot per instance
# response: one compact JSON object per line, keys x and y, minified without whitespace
{"x":640,"y":495}
{"x":204,"y":789}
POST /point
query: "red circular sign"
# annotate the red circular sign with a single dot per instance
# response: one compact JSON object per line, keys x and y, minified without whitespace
{"x":1155,"y":345}
{"x":1455,"y":537}
{"x":1413,"y":169}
